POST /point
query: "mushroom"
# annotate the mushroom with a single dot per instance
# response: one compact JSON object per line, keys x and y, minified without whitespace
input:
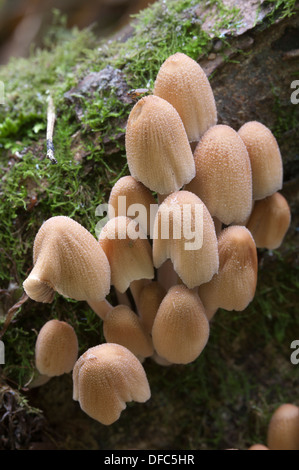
{"x":150,"y":299}
{"x":183,"y":83}
{"x":69,"y":260}
{"x":223,"y":175}
{"x":128,"y":251}
{"x":184,"y":232}
{"x":123,"y":326}
{"x":181,"y":329}
{"x":105,"y":377}
{"x":269,"y":221}
{"x":233,"y":287}
{"x":129,"y":196}
{"x":258,"y":447}
{"x":157,"y":146}
{"x":283,"y":429}
{"x":56,"y":348}
{"x":265,"y":159}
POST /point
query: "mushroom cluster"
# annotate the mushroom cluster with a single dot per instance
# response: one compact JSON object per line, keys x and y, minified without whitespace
{"x":206,"y":198}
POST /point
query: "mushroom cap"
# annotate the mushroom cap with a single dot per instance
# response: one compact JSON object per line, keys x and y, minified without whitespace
{"x":157,"y":146}
{"x":134,"y":192}
{"x":105,"y":378}
{"x":181,"y":328}
{"x":56,"y":348}
{"x":194,"y":261}
{"x":258,"y":447}
{"x":234,"y":286}
{"x":283,"y":430}
{"x":128,"y":251}
{"x":183,"y":83}
{"x":150,"y":299}
{"x":269,"y":221}
{"x":265,"y":159}
{"x":122,"y":326}
{"x":63,"y":253}
{"x":223,"y":175}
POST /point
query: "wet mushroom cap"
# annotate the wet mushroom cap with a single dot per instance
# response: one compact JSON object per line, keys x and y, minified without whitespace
{"x":283,"y":429}
{"x":56,"y":348}
{"x":105,"y":378}
{"x":157,"y":146}
{"x":265,"y":159}
{"x":183,"y":83}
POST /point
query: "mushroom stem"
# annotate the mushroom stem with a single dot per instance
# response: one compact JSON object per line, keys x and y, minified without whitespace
{"x":122,"y":298}
{"x":101,"y":308}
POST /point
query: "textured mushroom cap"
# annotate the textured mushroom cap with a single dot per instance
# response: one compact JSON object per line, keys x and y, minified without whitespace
{"x":56,"y":348}
{"x":122,"y":326}
{"x":181,"y":328}
{"x":233,"y":287}
{"x":157,"y":146}
{"x":194,"y":266}
{"x":150,"y":299}
{"x":130,"y":258}
{"x":223,"y":175}
{"x":183,"y":83}
{"x":265,"y":159}
{"x":134,"y":192}
{"x":269,"y":221}
{"x":105,"y":378}
{"x":67,"y":259}
{"x":258,"y":447}
{"x":283,"y":430}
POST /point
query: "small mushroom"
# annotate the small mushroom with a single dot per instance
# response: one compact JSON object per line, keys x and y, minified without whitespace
{"x":56,"y":348}
{"x":223,"y":175}
{"x":183,"y":83}
{"x":258,"y":447}
{"x":105,"y":378}
{"x":265,"y":159}
{"x":283,"y":429}
{"x":181,"y":328}
{"x":269,"y":221}
{"x":69,"y":260}
{"x":158,"y":151}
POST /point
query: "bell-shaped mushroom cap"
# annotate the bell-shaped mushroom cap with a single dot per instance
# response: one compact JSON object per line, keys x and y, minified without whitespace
{"x":158,"y":151}
{"x":183,"y":83}
{"x":56,"y":348}
{"x":258,"y":447}
{"x":128,"y":251}
{"x":269,"y":221}
{"x":223,"y":175}
{"x":184,"y":232}
{"x":122,"y":326}
{"x":233,"y":287}
{"x":150,"y":299}
{"x":265,"y":159}
{"x":283,"y":430}
{"x":67,"y":259}
{"x":129,"y":196}
{"x":105,"y":378}
{"x":181,"y":328}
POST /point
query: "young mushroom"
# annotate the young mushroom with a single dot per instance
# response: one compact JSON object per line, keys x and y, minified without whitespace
{"x":183,"y":83}
{"x":181,"y":328}
{"x":56,"y":348}
{"x":283,"y":429}
{"x":105,"y":378}
{"x":158,"y":151}
{"x":67,"y":259}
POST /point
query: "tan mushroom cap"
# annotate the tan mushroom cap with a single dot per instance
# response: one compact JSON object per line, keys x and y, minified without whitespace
{"x":56,"y":348}
{"x":157,"y":146}
{"x":122,"y":326}
{"x":258,"y":447}
{"x":183,"y":83}
{"x":223,"y":175}
{"x":105,"y":378}
{"x":125,"y":195}
{"x":191,"y":241}
{"x":265,"y":159}
{"x":130,"y":258}
{"x":234,"y":286}
{"x":269,"y":221}
{"x":150,"y":299}
{"x":67,"y":259}
{"x":283,"y":430}
{"x":181,"y":328}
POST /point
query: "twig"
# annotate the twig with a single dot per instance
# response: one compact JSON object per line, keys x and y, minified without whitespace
{"x":11,"y":312}
{"x":50,"y":130}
